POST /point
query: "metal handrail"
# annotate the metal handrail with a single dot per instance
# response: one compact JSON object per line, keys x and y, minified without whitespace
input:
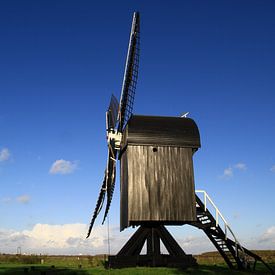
{"x":217,"y":215}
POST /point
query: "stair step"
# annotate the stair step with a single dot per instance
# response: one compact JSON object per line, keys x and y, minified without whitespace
{"x":203,"y":218}
{"x":206,"y":222}
{"x":204,"y":225}
{"x":220,"y":241}
{"x":218,"y":238}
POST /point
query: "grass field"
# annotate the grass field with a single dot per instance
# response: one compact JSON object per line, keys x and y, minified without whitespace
{"x":39,"y":269}
{"x":209,"y":263}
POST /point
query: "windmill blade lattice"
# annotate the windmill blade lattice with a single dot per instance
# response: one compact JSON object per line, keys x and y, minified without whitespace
{"x":118,"y":115}
{"x":110,"y":185}
{"x":99,"y":205}
{"x":107,"y":186}
{"x":112,"y":112}
{"x":130,"y":74}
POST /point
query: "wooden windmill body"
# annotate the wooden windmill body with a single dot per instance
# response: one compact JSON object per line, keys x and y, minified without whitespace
{"x":157,"y":178}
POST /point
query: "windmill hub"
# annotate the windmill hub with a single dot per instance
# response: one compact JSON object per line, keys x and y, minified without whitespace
{"x":114,"y":137}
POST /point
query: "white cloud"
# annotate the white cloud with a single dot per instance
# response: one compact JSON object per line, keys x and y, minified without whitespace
{"x":4,"y":154}
{"x":268,"y":237}
{"x":228,"y":173}
{"x":272,"y":169}
{"x":63,"y":167}
{"x":265,"y":241}
{"x":240,"y":166}
{"x":68,"y":239}
{"x":24,"y":199}
{"x":196,"y":244}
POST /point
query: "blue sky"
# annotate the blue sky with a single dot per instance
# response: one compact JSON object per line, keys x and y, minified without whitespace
{"x":59,"y":63}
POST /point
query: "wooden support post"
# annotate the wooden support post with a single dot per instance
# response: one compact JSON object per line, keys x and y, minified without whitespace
{"x":129,"y":255}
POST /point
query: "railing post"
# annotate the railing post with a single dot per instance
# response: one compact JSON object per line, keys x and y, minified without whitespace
{"x":204,"y":198}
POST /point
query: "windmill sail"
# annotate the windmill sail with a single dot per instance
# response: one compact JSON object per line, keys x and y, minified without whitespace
{"x":107,"y":187}
{"x":118,"y":115}
{"x":112,"y":112}
{"x":110,"y":186}
{"x":130,"y":74}
{"x":98,"y":206}
{"x":126,"y":100}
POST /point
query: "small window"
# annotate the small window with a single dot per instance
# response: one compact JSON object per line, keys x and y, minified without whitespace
{"x":155,"y":149}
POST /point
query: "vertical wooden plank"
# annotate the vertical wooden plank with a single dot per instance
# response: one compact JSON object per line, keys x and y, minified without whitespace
{"x":124,"y":222}
{"x":160,"y":184}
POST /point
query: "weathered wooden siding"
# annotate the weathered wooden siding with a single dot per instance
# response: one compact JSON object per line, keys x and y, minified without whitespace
{"x":159,"y":185}
{"x":123,"y":192}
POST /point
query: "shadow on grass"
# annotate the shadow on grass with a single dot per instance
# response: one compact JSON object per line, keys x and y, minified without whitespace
{"x":208,"y":269}
{"x":221,"y":269}
{"x":40,"y":270}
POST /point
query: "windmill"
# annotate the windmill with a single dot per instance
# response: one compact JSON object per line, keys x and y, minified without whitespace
{"x":157,"y":181}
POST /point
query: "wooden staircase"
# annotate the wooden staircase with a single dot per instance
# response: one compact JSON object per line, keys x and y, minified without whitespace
{"x":235,"y":255}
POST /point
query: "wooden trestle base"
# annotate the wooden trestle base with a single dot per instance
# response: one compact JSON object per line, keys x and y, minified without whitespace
{"x":129,"y":255}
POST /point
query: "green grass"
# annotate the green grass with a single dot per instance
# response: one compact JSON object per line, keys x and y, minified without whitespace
{"x":14,"y":268}
{"x":209,"y":263}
